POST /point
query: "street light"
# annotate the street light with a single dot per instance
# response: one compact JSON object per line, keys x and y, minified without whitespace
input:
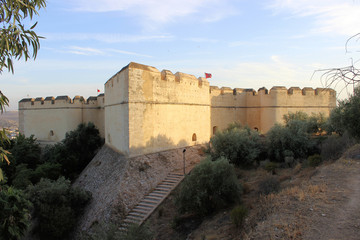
{"x":184,"y":159}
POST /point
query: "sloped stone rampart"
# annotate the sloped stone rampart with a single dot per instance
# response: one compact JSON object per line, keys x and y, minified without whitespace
{"x":118,"y":183}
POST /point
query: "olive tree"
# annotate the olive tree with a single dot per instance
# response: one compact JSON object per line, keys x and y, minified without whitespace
{"x":17,"y":41}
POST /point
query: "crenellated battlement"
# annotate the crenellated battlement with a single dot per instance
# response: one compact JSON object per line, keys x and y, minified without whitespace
{"x":306,"y":91}
{"x":61,"y":101}
{"x":145,"y":110}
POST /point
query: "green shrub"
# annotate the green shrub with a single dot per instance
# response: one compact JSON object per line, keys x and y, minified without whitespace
{"x":210,"y":186}
{"x":334,"y":146}
{"x":293,"y":138}
{"x":241,"y":146}
{"x":238,"y":215}
{"x":269,"y":185}
{"x":136,"y":232}
{"x":47,"y":170}
{"x":312,"y":124}
{"x":24,"y":150}
{"x":23,"y":177}
{"x":314,"y":160}
{"x":271,"y":166}
{"x":346,"y":116}
{"x":76,"y":150}
{"x":57,"y":206}
{"x":14,"y":213}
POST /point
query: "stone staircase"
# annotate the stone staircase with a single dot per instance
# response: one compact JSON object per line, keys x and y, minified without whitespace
{"x":151,"y":201}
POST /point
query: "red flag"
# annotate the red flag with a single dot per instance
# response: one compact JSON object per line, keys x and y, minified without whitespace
{"x":208,"y":75}
{"x":98,"y":90}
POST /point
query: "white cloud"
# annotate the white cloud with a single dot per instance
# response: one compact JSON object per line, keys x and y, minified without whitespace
{"x":202,"y":40}
{"x":330,"y":16}
{"x":106,"y":37}
{"x":85,"y":51}
{"x":160,"y":11}
{"x":127,"y":53}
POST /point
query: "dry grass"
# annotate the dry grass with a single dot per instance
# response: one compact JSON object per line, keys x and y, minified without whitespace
{"x":289,"y":214}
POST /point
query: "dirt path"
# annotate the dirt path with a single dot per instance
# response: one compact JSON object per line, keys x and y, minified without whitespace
{"x":340,"y":217}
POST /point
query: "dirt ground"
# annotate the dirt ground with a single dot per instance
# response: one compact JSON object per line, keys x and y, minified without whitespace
{"x":313,"y":203}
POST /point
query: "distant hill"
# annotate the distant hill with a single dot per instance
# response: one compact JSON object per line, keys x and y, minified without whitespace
{"x":9,"y":119}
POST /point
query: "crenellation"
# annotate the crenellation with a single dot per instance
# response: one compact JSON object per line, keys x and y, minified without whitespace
{"x":26,"y":100}
{"x":214,"y":89}
{"x":325,"y":91}
{"x":278,"y":89}
{"x":185,"y":78}
{"x":294,"y":91}
{"x":203,"y":82}
{"x":226,"y":90}
{"x":263,"y":91}
{"x":308,"y":91}
{"x":144,"y":110}
{"x":167,"y":76}
{"x":238,"y":91}
{"x":51,"y":98}
{"x":63,"y":99}
{"x":91,"y":99}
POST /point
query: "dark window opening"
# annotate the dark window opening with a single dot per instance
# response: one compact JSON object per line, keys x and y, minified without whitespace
{"x":215,"y":128}
{"x":194,"y":137}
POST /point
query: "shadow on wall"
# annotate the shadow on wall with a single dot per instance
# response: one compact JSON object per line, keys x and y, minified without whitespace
{"x":159,"y":143}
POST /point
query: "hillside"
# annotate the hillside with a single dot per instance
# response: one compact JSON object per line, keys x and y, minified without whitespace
{"x":9,"y":119}
{"x":313,"y":203}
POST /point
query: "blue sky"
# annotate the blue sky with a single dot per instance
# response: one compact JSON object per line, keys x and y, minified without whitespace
{"x":243,"y":43}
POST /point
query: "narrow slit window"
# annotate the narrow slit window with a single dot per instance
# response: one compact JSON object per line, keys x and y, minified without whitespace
{"x":194,"y":137}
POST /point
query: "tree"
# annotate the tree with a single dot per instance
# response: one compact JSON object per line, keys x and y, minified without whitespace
{"x":57,"y":207}
{"x":240,"y":145}
{"x":14,"y":214}
{"x":16,"y":42}
{"x":346,"y":116}
{"x":76,"y":150}
{"x":348,"y":75}
{"x":210,"y":186}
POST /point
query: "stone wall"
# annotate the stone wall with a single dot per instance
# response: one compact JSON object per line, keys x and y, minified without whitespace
{"x":262,"y":109}
{"x":118,"y":183}
{"x":161,"y":110}
{"x":145,"y":110}
{"x":49,"y":119}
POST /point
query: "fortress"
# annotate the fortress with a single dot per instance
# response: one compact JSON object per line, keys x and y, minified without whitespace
{"x":144,"y":110}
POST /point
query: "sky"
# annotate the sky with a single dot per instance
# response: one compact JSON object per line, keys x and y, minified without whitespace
{"x":242,"y":43}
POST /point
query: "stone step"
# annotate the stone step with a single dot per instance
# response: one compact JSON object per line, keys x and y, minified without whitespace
{"x":157,"y":194}
{"x":167,"y":184}
{"x":135,"y":217}
{"x":143,"y":208}
{"x":136,"y":214}
{"x":161,"y":191}
{"x":140,"y":211}
{"x":151,"y":206}
{"x":155,"y":198}
{"x":163,"y":187}
{"x":174,"y":177}
{"x":170,"y":181}
{"x":149,"y":201}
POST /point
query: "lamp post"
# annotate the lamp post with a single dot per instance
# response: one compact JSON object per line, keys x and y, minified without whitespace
{"x":184,"y":159}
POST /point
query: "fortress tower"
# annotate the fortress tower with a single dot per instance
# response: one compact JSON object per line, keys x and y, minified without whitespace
{"x":144,"y":110}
